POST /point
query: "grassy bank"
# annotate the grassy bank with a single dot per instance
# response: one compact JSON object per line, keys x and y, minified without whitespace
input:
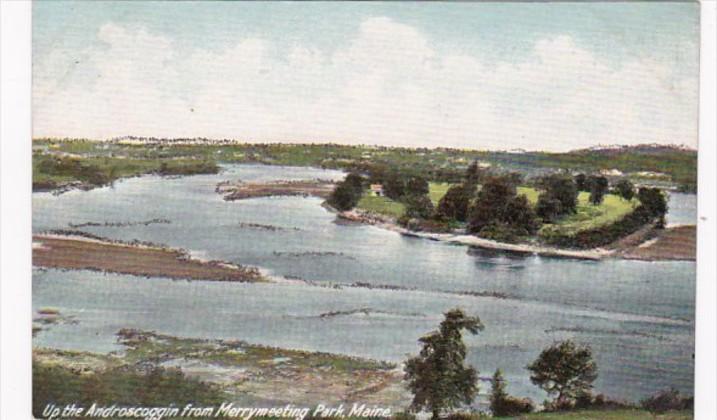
{"x":52,"y":171}
{"x":587,"y":216}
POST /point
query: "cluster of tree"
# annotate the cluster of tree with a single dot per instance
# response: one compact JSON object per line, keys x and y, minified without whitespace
{"x":499,"y":213}
{"x":347,"y":193}
{"x":652,"y":208}
{"x":598,"y":186}
{"x":559,"y":196}
{"x":440,"y":380}
{"x":455,"y":203}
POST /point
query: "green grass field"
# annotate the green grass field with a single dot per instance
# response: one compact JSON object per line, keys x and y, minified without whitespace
{"x":588,"y":216}
{"x":391,"y":208}
{"x":380,"y":205}
{"x":624,"y":414}
{"x":436,"y":191}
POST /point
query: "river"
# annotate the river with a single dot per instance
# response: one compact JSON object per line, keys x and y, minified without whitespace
{"x":637,"y":316}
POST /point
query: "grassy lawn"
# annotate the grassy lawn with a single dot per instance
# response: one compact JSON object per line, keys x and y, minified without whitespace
{"x":436,"y":191}
{"x":625,"y":414}
{"x":530,"y":193}
{"x":380,"y":205}
{"x":389,"y":207}
{"x":588,"y":216}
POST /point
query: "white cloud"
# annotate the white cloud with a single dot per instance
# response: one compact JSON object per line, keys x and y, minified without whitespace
{"x":389,"y":85}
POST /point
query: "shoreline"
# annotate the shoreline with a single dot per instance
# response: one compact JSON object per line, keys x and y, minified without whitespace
{"x":242,"y":370}
{"x":627,"y":252}
{"x":77,"y":252}
{"x":232,"y":191}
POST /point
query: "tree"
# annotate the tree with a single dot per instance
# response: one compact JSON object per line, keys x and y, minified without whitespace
{"x":394,"y":186}
{"x":598,"y":188}
{"x":654,"y":202}
{"x":548,"y":208}
{"x":418,"y":207}
{"x":454,"y":204}
{"x":416,"y":185}
{"x":581,"y":182}
{"x":474,"y":174}
{"x":562,"y":188}
{"x":437,"y":377}
{"x":565,"y":370}
{"x":490,"y":203}
{"x":355,"y":181}
{"x":625,"y":189}
{"x":500,"y":214}
{"x":347,"y":193}
{"x":502,"y":404}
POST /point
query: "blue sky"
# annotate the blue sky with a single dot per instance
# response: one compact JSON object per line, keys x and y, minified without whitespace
{"x":479,"y":75}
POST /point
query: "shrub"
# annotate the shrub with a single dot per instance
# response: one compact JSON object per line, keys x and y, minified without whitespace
{"x":502,"y":232}
{"x":667,"y":400}
{"x":502,"y":404}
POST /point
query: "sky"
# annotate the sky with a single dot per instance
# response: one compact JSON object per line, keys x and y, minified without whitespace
{"x":497,"y":76}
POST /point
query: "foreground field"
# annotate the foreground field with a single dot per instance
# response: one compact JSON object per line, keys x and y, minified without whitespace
{"x":209,"y":372}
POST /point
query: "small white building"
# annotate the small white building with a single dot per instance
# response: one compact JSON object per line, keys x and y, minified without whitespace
{"x":376,"y":190}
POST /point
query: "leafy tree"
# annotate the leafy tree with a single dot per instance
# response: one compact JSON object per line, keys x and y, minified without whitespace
{"x":562,"y":188}
{"x":498,"y":209}
{"x":438,"y":377}
{"x":394,"y":186}
{"x":474,"y":174}
{"x":454,"y":204}
{"x":625,"y":189}
{"x":502,"y":404}
{"x":416,"y":185}
{"x":418,"y":207}
{"x":548,"y":208}
{"x":654,"y":200}
{"x":490,"y":203}
{"x":598,"y":188}
{"x":565,"y":370}
{"x":581,"y":182}
{"x":347,"y":193}
{"x":355,"y":181}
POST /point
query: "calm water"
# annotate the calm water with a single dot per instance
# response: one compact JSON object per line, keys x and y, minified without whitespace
{"x":637,"y":316}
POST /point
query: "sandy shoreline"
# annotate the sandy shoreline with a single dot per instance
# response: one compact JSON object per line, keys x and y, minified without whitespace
{"x":244,"y":190}
{"x":83,"y":253}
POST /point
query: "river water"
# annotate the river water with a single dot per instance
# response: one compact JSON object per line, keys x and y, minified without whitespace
{"x":637,"y":316}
